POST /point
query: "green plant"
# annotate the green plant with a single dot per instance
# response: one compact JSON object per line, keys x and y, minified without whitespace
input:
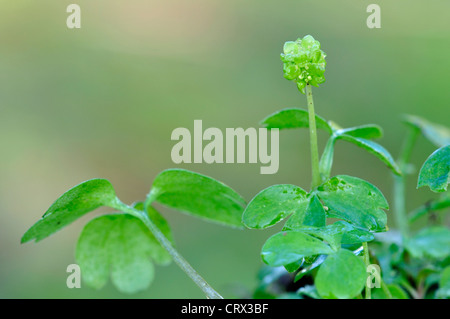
{"x":125,"y":243}
{"x":310,"y":239}
{"x":323,"y":245}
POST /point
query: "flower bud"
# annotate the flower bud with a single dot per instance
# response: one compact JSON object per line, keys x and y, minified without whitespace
{"x":304,"y":62}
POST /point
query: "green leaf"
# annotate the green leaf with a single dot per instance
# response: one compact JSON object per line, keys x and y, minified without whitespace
{"x":289,"y":246}
{"x":198,"y":195}
{"x":355,"y":201}
{"x":293,"y":267}
{"x":444,"y":284}
{"x":293,"y":118}
{"x":437,"y":134}
{"x":435,"y":172}
{"x":315,"y":214}
{"x":338,"y":233}
{"x":119,"y":244}
{"x":432,"y":242}
{"x":367,"y":131}
{"x":342,"y":275}
{"x":273,"y":204}
{"x":310,"y":213}
{"x":396,"y":291}
{"x":359,"y":136}
{"x":73,"y":204}
{"x":374,"y":148}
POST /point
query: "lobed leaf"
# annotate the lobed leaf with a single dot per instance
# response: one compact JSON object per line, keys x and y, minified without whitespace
{"x":435,"y":172}
{"x":198,"y":195}
{"x":121,"y":246}
{"x":274,"y":204}
{"x":355,"y":201}
{"x":294,"y":118}
{"x":73,"y":204}
{"x":290,"y":246}
{"x":342,"y":275}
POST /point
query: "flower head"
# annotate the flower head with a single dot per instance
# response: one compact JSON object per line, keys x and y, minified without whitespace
{"x":304,"y":62}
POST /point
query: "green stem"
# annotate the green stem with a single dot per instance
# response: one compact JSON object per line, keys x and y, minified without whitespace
{"x":316,"y":180}
{"x":179,"y":260}
{"x":399,"y":183}
{"x":367,"y":263}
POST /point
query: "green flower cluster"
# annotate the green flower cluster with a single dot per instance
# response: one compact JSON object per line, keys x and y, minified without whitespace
{"x":304,"y":62}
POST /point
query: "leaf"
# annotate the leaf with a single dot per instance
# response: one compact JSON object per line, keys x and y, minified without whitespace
{"x":432,"y":242}
{"x":342,"y":275}
{"x":310,"y":213}
{"x":396,"y":291}
{"x":355,"y":201}
{"x":293,"y":267}
{"x":437,"y":134}
{"x":315,"y":214}
{"x":198,"y":195}
{"x":119,"y":244}
{"x":367,"y":131}
{"x":338,"y":233}
{"x":289,"y":246}
{"x":73,"y":204}
{"x":293,"y":118}
{"x":444,"y":284}
{"x":359,"y":136}
{"x":435,"y":172}
{"x":273,"y":204}
{"x":374,"y":148}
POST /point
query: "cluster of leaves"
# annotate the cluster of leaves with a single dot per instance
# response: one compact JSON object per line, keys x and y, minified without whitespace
{"x":307,"y":240}
{"x":324,"y":228}
{"x":417,"y":266}
{"x":120,"y":246}
{"x":420,"y":264}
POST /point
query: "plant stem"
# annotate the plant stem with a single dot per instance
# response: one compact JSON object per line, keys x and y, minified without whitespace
{"x":367,"y":263}
{"x":316,"y":180}
{"x":179,"y":260}
{"x":399,"y":182}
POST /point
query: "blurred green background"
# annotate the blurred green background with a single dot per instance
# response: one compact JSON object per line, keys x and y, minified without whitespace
{"x":102,"y":101}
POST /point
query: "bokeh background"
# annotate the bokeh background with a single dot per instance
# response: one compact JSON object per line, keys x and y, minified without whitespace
{"x":103,"y":100}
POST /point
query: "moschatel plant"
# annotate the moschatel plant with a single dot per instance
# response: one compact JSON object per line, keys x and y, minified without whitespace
{"x":326,"y":228}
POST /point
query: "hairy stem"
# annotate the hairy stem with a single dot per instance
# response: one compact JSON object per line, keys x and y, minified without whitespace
{"x":367,"y":263}
{"x":179,"y":260}
{"x":316,"y":180}
{"x":399,"y":182}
